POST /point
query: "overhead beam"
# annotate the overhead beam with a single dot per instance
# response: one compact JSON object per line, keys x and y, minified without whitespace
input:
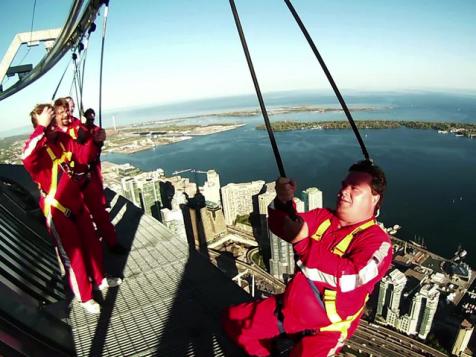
{"x":69,"y":37}
{"x":30,"y":39}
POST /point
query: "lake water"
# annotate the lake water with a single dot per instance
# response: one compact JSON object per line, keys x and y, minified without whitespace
{"x":432,"y":177}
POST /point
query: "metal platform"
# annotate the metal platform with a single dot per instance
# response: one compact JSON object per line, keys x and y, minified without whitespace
{"x":168,"y":305}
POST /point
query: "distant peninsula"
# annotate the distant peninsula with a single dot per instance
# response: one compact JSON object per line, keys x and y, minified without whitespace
{"x":459,"y":129}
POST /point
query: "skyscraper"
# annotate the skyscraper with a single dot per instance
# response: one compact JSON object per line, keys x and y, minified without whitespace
{"x":312,"y":198}
{"x":462,"y":340}
{"x":211,"y":188}
{"x":150,"y":196}
{"x":390,"y":293}
{"x":419,"y":318}
{"x":428,"y":298}
{"x":237,"y":199}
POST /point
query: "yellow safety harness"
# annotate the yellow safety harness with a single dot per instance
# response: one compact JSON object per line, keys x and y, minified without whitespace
{"x":330,"y":296}
{"x":61,"y":162}
{"x":72,"y":133}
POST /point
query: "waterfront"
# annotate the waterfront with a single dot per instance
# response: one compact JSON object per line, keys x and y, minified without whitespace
{"x":432,"y":190}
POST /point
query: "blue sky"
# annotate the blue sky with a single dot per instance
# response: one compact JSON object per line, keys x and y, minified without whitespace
{"x":159,"y":52}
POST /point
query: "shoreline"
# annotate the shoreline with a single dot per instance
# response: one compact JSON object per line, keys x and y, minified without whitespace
{"x":458,"y":129}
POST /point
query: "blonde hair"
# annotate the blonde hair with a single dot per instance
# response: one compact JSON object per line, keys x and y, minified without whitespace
{"x":37,"y":110}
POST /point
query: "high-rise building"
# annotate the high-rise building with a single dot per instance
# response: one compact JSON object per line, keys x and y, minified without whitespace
{"x":428,"y":298}
{"x":281,"y":261}
{"x":213,"y":221}
{"x":126,"y":170}
{"x":462,"y":340}
{"x":238,"y":199}
{"x":390,"y":293}
{"x":312,"y":198}
{"x":173,"y":219}
{"x":150,"y":196}
{"x":184,"y":185}
{"x":211,"y":187}
{"x":144,"y":192}
{"x":130,"y":190}
{"x":299,"y":205}
{"x":419,"y":318}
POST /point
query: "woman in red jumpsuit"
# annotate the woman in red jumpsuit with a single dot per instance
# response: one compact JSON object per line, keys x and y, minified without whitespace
{"x":55,"y":162}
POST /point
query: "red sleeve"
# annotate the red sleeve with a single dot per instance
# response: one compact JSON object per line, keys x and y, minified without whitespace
{"x":278,"y":224}
{"x":31,"y":150}
{"x":84,"y":153}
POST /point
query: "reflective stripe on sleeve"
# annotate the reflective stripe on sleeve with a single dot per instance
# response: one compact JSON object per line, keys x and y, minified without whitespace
{"x":31,"y":146}
{"x":317,"y":275}
{"x":367,"y":273}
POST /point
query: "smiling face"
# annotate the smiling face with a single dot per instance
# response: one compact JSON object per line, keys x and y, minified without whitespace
{"x":62,"y":117}
{"x":71,"y":105}
{"x":355,"y":200}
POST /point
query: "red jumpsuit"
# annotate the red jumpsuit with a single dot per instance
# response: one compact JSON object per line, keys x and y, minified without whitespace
{"x":79,"y":245}
{"x":94,"y":192}
{"x":327,"y":294}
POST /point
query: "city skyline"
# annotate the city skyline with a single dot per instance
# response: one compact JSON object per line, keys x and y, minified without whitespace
{"x":189,"y":50}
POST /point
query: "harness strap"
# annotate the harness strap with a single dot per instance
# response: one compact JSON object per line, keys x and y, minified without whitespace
{"x":321,"y":229}
{"x":342,"y":246}
{"x":50,"y":200}
{"x":330,"y":296}
{"x":330,"y":305}
{"x":343,"y":326}
{"x":72,"y":133}
{"x":279,"y":313}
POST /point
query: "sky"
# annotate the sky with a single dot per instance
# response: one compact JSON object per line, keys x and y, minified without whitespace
{"x":159,"y":52}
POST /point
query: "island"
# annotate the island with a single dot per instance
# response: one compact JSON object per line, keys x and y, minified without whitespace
{"x":132,"y":139}
{"x":459,"y":129}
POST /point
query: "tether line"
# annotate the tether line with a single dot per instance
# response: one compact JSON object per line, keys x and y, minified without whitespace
{"x":330,"y":79}
{"x":269,"y":129}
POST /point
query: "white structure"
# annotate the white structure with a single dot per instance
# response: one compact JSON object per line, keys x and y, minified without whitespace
{"x":420,"y":317}
{"x":48,"y":37}
{"x":264,"y":200}
{"x":211,"y":188}
{"x":173,"y":219}
{"x":237,"y":199}
{"x":390,"y":293}
{"x":312,"y":198}
{"x":281,"y":262}
{"x":427,"y":298}
{"x":299,"y":205}
{"x":462,"y":340}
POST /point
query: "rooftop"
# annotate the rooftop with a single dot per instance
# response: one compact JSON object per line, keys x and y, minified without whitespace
{"x":168,"y":305}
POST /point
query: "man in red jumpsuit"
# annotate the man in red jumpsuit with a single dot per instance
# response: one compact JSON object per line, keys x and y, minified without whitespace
{"x":341,"y":254}
{"x":93,"y":189}
{"x":57,"y":163}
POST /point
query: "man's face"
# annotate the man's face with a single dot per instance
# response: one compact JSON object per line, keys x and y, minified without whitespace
{"x":62,"y":117}
{"x":70,"y":105}
{"x":90,"y":118}
{"x":355,"y":200}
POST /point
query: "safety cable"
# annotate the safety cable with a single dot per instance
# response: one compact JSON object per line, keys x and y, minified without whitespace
{"x":77,"y":83}
{"x":31,"y":32}
{"x":330,"y":79}
{"x":104,"y":24}
{"x":91,"y":29}
{"x":80,"y":73}
{"x":61,"y":80}
{"x":269,"y":129}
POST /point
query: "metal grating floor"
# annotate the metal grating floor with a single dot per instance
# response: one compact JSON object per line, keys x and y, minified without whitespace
{"x":169,"y":303}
